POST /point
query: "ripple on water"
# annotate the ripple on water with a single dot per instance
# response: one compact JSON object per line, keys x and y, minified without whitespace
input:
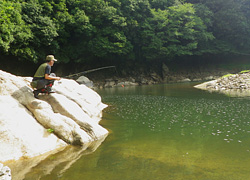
{"x":204,"y":117}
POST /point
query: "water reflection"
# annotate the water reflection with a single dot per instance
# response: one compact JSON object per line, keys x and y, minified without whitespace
{"x":39,"y":167}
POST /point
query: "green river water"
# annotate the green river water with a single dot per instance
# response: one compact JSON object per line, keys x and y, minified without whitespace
{"x":167,"y":132}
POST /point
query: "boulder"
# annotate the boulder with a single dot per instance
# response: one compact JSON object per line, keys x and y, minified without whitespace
{"x":127,"y":83}
{"x":32,"y":127}
{"x":20,"y":134}
{"x":155,"y":77}
{"x":207,"y":78}
{"x":165,"y":70}
{"x":184,"y":80}
{"x":197,"y":79}
{"x":110,"y":83}
{"x":84,"y":80}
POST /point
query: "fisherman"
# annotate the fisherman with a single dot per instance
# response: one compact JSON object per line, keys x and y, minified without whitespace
{"x":43,"y":79}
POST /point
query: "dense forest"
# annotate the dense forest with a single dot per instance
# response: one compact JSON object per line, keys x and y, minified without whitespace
{"x":82,"y":31}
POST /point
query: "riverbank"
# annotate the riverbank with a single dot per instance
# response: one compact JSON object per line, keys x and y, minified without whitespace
{"x":131,"y":73}
{"x":230,"y":84}
{"x":182,"y":70}
{"x":153,"y":77}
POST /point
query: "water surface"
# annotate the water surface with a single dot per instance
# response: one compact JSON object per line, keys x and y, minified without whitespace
{"x":168,"y":132}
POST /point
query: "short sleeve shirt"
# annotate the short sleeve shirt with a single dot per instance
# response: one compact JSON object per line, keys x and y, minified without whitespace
{"x":42,"y":70}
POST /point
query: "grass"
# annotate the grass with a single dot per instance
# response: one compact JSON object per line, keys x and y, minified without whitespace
{"x":227,"y":75}
{"x":50,"y":130}
{"x":244,"y":71}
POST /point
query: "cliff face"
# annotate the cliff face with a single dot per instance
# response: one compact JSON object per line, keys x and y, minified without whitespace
{"x":30,"y":127}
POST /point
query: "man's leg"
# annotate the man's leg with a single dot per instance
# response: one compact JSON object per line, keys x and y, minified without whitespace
{"x":36,"y":92}
{"x":49,"y":86}
{"x":40,"y":87}
{"x":50,"y":83}
{"x":44,"y":86}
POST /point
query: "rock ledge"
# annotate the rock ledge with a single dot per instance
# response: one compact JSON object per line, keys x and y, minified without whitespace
{"x":30,"y":127}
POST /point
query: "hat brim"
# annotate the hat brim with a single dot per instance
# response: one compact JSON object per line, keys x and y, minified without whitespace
{"x":54,"y":59}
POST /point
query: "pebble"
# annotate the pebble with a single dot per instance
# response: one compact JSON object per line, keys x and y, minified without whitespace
{"x":238,"y":81}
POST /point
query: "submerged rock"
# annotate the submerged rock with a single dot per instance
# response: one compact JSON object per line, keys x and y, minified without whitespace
{"x":5,"y":172}
{"x":30,"y":127}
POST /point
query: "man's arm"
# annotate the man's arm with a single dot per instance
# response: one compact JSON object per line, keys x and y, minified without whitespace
{"x":47,"y":76}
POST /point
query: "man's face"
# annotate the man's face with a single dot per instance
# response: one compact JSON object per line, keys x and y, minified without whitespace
{"x":51,"y":63}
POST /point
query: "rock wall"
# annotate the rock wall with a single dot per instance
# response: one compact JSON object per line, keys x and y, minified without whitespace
{"x":30,"y":127}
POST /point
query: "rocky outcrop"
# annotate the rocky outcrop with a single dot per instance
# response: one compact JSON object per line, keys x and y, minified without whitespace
{"x":30,"y":127}
{"x":5,"y":172}
{"x":230,"y":84}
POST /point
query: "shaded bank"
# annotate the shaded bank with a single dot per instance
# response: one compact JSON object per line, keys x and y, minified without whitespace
{"x":188,"y":69}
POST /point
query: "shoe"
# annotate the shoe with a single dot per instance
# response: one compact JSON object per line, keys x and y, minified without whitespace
{"x":36,"y":92}
{"x":44,"y":90}
{"x":49,"y":90}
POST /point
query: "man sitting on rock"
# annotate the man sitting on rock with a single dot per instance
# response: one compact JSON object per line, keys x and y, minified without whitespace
{"x":43,"y":78}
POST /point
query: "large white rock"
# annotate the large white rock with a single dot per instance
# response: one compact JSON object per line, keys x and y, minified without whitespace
{"x":20,"y":134}
{"x":73,"y":113}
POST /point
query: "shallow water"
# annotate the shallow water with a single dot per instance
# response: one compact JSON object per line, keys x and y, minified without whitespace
{"x":168,"y":132}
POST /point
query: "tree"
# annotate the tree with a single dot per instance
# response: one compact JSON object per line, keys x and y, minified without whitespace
{"x":139,"y":30}
{"x":173,"y":32}
{"x":96,"y":31}
{"x":163,"y":4}
{"x":14,"y":33}
{"x":108,"y":38}
{"x":136,"y":13}
{"x":230,"y":24}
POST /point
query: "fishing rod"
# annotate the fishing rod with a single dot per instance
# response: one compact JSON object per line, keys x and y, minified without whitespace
{"x":244,"y":54}
{"x":88,"y":71}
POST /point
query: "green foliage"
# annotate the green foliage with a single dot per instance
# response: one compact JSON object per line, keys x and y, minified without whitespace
{"x":85,"y":30}
{"x":229,"y":23}
{"x":175,"y":31}
{"x":162,"y":4}
{"x":244,"y":71}
{"x":14,"y":33}
{"x":108,"y":37}
{"x":50,"y":130}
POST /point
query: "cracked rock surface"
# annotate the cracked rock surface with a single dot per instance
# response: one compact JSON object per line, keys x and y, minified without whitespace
{"x":72,"y":114}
